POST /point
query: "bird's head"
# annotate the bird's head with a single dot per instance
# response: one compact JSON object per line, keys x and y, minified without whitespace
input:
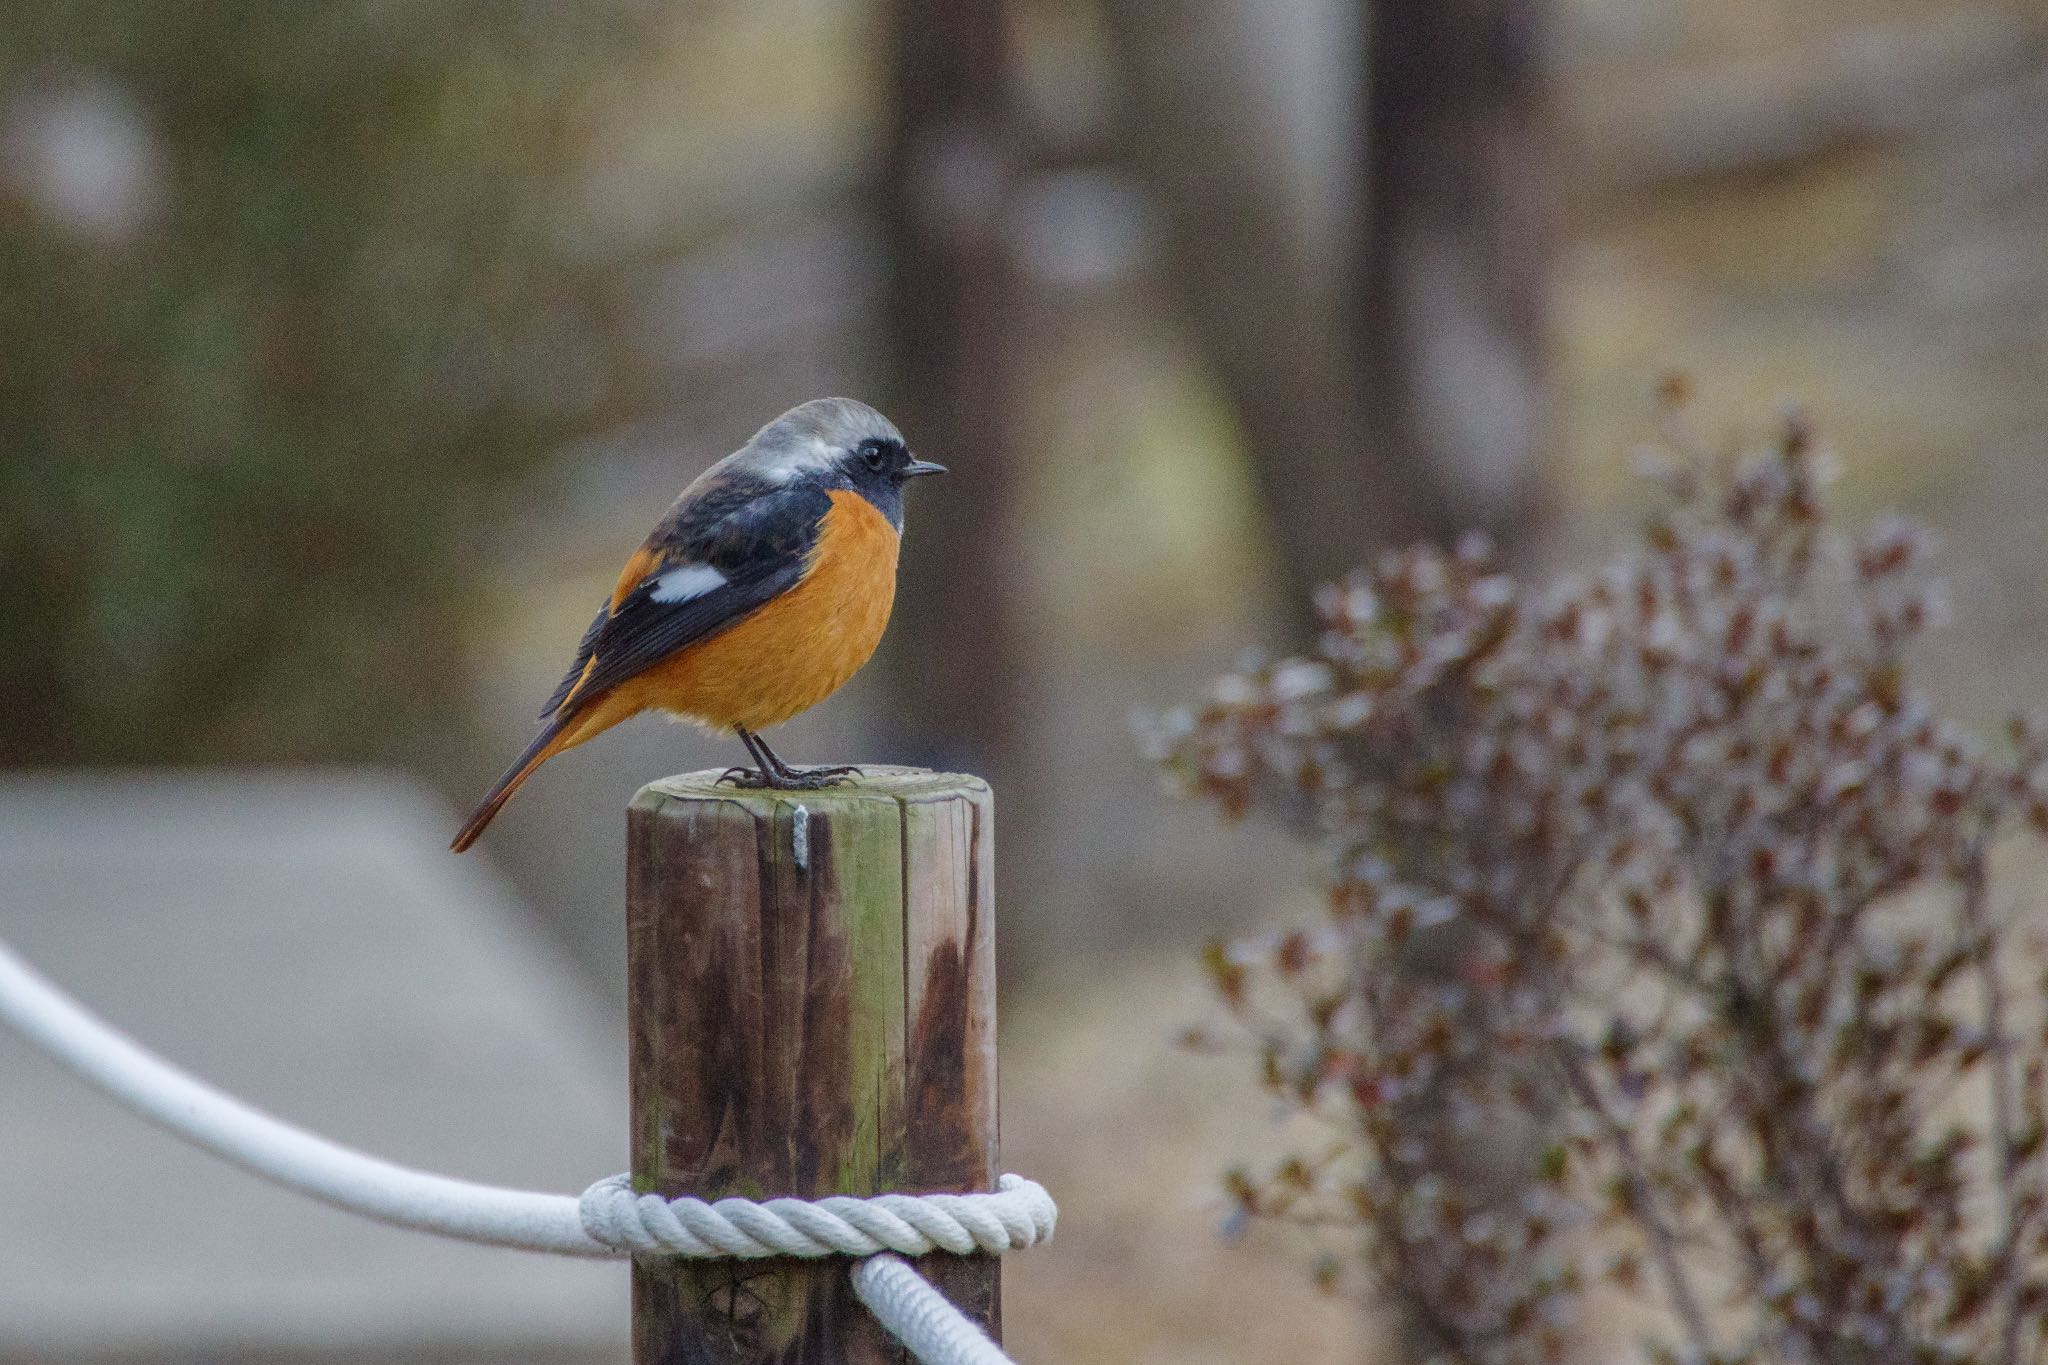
{"x":837,"y":443}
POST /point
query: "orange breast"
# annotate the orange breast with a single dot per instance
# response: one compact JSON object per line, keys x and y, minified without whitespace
{"x":797,"y":650}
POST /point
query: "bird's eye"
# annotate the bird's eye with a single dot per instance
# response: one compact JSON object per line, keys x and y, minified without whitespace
{"x":874,"y":455}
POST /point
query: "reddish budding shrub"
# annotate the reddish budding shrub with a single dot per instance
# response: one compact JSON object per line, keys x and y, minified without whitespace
{"x":1724,"y":944}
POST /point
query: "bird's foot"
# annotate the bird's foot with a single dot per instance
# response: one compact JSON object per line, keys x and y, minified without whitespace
{"x":788,"y":779}
{"x":813,"y":779}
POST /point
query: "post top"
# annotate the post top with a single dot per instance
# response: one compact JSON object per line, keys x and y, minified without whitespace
{"x":886,"y":781}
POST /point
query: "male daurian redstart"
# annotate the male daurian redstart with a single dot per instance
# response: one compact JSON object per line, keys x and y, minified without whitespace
{"x":764,"y":589}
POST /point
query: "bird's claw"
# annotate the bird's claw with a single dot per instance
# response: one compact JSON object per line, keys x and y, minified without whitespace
{"x":814,"y":779}
{"x":790,"y":779}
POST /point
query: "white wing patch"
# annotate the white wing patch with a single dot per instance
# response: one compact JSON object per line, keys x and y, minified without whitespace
{"x":682,"y":584}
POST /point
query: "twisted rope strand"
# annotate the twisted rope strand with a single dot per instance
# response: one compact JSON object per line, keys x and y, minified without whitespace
{"x":1018,"y":1215}
{"x":920,"y":1317}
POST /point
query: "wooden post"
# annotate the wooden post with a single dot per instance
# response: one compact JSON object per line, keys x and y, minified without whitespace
{"x":811,"y":1012}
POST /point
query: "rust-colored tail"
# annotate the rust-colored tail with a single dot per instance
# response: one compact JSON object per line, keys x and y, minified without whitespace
{"x":557,"y":735}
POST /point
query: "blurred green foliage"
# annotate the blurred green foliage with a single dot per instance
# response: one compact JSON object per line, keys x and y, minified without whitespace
{"x":285,"y":290}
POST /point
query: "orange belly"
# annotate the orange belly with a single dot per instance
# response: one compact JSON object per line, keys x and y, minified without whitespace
{"x":791,"y":654}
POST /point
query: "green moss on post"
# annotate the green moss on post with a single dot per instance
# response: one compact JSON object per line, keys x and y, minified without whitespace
{"x":812,"y":1012}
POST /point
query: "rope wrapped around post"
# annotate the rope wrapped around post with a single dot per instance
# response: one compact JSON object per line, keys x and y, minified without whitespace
{"x":1019,"y":1215}
{"x":889,"y":875}
{"x":613,"y":1219}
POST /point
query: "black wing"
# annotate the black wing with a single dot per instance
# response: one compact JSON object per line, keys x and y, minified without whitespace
{"x":757,"y":540}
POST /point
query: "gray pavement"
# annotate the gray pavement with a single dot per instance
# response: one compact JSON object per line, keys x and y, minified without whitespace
{"x":304,"y":941}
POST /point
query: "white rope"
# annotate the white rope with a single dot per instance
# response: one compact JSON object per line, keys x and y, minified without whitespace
{"x":608,"y":1220}
{"x":1019,"y":1215}
{"x":920,"y":1317}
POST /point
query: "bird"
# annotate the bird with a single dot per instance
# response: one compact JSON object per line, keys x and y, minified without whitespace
{"x":766,"y":586}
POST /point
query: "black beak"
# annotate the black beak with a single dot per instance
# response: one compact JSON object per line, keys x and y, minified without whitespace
{"x":917,"y":468}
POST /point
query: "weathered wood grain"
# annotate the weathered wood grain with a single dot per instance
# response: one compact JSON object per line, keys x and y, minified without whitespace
{"x":812,"y":1012}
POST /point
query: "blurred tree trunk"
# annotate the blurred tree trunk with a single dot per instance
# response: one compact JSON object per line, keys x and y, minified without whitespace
{"x":1416,"y":413}
{"x":1454,"y":270}
{"x":947,"y":177}
{"x":1398,"y":394}
{"x":1203,"y":136}
{"x":1451,"y":297}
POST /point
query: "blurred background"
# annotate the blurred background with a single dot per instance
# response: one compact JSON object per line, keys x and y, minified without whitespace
{"x":345,"y":350}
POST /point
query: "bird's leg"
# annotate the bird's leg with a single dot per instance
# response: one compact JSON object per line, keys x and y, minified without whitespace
{"x":781,"y":775}
{"x":763,"y":775}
